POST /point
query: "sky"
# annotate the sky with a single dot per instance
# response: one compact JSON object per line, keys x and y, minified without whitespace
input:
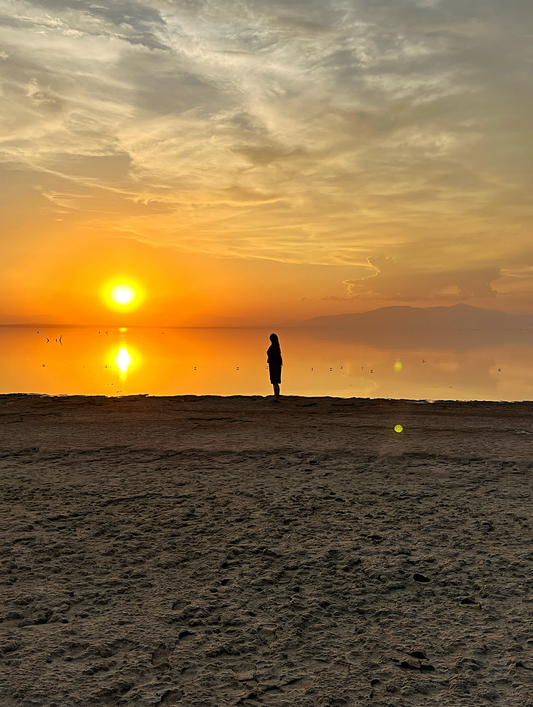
{"x":263,"y":159}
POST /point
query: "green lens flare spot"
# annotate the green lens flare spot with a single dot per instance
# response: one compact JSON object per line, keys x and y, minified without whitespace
{"x":398,"y":428}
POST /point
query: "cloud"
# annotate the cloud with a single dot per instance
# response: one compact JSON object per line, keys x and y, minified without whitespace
{"x":390,"y":281}
{"x":43,"y":96}
{"x":319,"y":131}
{"x":134,"y":22}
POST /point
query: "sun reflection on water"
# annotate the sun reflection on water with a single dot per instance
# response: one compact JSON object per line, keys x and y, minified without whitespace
{"x":123,"y":360}
{"x":134,"y":361}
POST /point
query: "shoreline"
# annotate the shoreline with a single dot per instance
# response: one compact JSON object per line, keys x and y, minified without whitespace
{"x":475,"y":428}
{"x":231,"y":551}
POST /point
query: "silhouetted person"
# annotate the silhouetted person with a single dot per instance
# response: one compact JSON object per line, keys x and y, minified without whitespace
{"x":275,"y":362}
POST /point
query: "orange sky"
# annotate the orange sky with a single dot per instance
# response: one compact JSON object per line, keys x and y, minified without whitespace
{"x":264,"y":160}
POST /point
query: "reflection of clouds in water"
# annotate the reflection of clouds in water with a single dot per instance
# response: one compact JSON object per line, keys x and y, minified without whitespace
{"x":364,"y":385}
{"x":365,"y":388}
{"x":512,"y":375}
{"x":386,"y":373}
{"x":140,"y":362}
{"x":448,"y":366}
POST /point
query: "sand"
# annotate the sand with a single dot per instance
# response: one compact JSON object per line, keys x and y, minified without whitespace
{"x":231,"y":551}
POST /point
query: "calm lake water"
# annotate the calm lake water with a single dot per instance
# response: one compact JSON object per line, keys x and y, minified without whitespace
{"x":451,"y":365}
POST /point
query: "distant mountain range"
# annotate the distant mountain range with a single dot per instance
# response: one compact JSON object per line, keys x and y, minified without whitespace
{"x":460,"y":316}
{"x":19,"y":320}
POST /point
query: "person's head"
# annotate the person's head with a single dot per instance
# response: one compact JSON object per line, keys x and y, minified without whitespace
{"x":274,"y":339}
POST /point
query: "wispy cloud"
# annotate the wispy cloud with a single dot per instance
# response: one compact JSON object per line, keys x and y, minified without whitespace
{"x":316,"y":131}
{"x":389,"y":281}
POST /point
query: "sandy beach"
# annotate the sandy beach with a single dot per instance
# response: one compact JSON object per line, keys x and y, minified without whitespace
{"x":208,"y":551}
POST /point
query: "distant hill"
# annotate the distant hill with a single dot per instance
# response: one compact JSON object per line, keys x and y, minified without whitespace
{"x":460,"y":316}
{"x":19,"y":320}
{"x":212,"y":321}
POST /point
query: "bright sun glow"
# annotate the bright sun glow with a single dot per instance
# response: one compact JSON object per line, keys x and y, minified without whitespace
{"x":123,"y":360}
{"x":123,"y":294}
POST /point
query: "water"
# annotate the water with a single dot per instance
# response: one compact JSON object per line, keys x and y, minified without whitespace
{"x":399,"y":364}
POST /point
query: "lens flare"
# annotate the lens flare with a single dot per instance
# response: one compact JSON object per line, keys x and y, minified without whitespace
{"x":398,"y":366}
{"x":398,"y":428}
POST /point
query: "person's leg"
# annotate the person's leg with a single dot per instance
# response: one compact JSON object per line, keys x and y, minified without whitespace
{"x":276,"y":391}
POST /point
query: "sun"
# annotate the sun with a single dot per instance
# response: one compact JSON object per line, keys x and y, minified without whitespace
{"x":123,"y":295}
